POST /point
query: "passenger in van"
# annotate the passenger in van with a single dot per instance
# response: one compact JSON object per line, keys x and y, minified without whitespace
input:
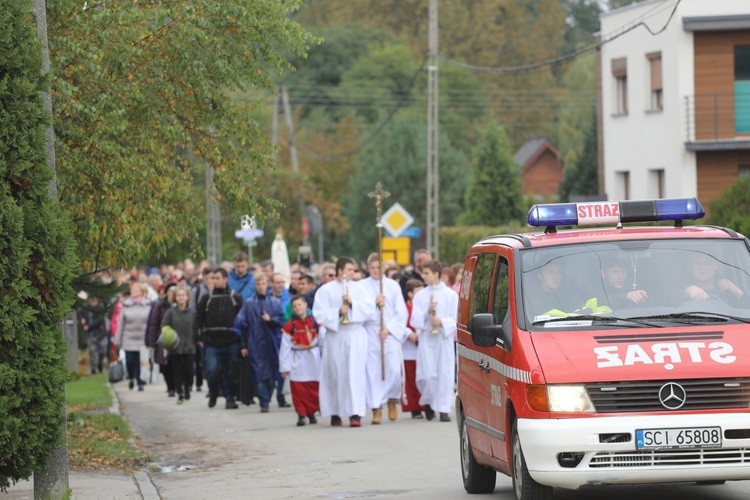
{"x":704,"y":284}
{"x":615,"y":274}
{"x":551,"y":297}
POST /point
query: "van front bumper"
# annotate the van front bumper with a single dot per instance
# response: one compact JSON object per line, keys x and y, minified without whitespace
{"x":577,"y":443}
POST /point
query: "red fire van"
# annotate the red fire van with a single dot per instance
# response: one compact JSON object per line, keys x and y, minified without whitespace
{"x":607,"y":355}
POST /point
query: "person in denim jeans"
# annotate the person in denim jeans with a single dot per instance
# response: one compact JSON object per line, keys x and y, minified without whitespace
{"x":213,"y":326}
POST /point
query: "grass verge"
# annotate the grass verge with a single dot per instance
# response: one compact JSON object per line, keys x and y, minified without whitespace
{"x":97,"y":439}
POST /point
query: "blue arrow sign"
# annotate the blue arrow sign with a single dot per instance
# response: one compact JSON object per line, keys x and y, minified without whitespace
{"x":411,"y":232}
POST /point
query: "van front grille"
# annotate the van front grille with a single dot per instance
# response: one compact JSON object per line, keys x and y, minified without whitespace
{"x":615,"y":397}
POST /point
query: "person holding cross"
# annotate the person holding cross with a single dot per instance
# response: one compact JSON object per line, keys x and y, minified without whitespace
{"x":384,"y":378}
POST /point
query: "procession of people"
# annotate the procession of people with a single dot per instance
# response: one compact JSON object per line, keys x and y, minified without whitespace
{"x":345,"y":340}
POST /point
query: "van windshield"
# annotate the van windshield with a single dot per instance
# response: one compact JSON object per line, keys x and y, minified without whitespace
{"x":656,"y":282}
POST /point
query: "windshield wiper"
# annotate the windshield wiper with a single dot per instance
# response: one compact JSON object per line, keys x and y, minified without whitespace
{"x":695,"y":317}
{"x":614,"y":320}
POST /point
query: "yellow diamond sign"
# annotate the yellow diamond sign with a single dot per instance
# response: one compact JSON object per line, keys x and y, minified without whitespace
{"x":396,"y":220}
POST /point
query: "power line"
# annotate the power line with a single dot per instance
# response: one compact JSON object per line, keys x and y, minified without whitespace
{"x":572,"y":55}
{"x":380,"y":127}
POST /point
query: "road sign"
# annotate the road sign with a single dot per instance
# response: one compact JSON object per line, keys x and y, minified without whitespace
{"x":396,"y":220}
{"x":411,"y":232}
{"x":397,"y":249}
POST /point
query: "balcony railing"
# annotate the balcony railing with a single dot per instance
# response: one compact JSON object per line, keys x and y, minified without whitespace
{"x":718,"y":117}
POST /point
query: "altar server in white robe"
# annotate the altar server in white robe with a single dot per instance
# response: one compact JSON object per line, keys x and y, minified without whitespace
{"x":384,"y":388}
{"x":434,"y":317}
{"x":343,"y":306}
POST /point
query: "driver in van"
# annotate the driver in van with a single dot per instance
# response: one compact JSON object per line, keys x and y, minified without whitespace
{"x":706,"y":285}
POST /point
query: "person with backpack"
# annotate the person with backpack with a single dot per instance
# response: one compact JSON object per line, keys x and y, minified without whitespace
{"x":213,"y":327}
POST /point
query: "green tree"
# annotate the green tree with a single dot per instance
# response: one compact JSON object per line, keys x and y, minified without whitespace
{"x":493,"y":196}
{"x":732,"y":208}
{"x":578,"y":112}
{"x":397,"y":158}
{"x":581,"y":176}
{"x":142,"y":87}
{"x":582,"y":22}
{"x":36,"y":259}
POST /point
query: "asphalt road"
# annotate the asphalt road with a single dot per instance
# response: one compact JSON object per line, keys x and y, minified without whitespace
{"x":197,"y":452}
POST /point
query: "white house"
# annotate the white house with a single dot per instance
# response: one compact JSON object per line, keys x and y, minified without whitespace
{"x":674,"y":98}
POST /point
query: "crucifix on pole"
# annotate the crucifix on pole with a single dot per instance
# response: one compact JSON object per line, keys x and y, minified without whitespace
{"x":379,"y":196}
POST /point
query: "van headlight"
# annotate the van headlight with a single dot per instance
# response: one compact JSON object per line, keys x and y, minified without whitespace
{"x":569,"y":399}
{"x":559,"y":398}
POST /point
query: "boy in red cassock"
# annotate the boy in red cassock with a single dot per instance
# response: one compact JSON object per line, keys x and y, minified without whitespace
{"x":299,"y":359}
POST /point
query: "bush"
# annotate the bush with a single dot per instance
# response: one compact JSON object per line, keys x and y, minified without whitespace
{"x":36,"y":259}
{"x":732,"y":209}
{"x":456,"y":241}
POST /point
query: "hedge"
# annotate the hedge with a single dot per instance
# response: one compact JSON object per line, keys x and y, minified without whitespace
{"x":456,"y":241}
{"x":36,"y":260}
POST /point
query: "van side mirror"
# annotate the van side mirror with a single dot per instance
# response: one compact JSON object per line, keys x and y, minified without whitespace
{"x":484,"y":331}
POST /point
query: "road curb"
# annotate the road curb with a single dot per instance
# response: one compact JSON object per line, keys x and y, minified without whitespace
{"x":148,"y":490}
{"x":143,"y":480}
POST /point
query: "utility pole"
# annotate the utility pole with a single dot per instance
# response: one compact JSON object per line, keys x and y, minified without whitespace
{"x":213,"y":221}
{"x":433,"y":170}
{"x":275,"y":122}
{"x":305,"y":248}
{"x":51,"y":482}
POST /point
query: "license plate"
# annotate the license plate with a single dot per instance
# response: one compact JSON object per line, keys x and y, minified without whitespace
{"x":690,"y":437}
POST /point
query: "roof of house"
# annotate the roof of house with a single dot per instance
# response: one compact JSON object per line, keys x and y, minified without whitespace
{"x":531,"y":149}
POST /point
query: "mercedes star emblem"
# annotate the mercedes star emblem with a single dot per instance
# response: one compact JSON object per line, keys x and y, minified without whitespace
{"x":672,"y":396}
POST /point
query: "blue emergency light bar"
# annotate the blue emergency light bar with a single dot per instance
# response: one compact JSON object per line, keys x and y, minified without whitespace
{"x":615,"y":212}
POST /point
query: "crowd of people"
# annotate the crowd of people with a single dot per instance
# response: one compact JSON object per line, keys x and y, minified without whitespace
{"x":350,"y":338}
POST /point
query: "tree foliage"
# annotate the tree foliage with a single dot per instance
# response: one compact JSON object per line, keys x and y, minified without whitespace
{"x":397,"y":158}
{"x":493,"y":197}
{"x":475,"y":32}
{"x":139,"y":88}
{"x":732,"y":208}
{"x":580,"y":177}
{"x":36,"y":259}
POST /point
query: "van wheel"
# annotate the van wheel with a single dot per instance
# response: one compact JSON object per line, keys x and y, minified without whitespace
{"x":477,"y":478}
{"x":523,"y":484}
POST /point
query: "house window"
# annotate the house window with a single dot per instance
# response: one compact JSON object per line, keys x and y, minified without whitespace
{"x":622,"y":185}
{"x":742,"y":89}
{"x":654,"y":59}
{"x":743,"y":171}
{"x":656,"y":184}
{"x":620,"y":73}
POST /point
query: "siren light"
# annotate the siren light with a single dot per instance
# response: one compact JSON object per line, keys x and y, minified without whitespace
{"x":615,"y":212}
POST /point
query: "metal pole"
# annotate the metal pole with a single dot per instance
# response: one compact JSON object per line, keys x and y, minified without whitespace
{"x":433,"y":170}
{"x":213,"y":225}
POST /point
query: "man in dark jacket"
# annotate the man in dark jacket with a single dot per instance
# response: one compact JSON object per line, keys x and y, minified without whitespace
{"x":213,"y":326}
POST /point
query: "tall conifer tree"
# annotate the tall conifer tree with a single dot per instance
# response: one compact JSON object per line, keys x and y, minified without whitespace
{"x":36,"y":259}
{"x":493,"y":196}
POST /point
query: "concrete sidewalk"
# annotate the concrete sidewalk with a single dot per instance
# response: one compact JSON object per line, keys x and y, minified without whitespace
{"x":97,"y":484}
{"x":94,"y":485}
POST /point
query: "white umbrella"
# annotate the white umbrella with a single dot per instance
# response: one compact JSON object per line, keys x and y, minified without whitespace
{"x":280,"y":257}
